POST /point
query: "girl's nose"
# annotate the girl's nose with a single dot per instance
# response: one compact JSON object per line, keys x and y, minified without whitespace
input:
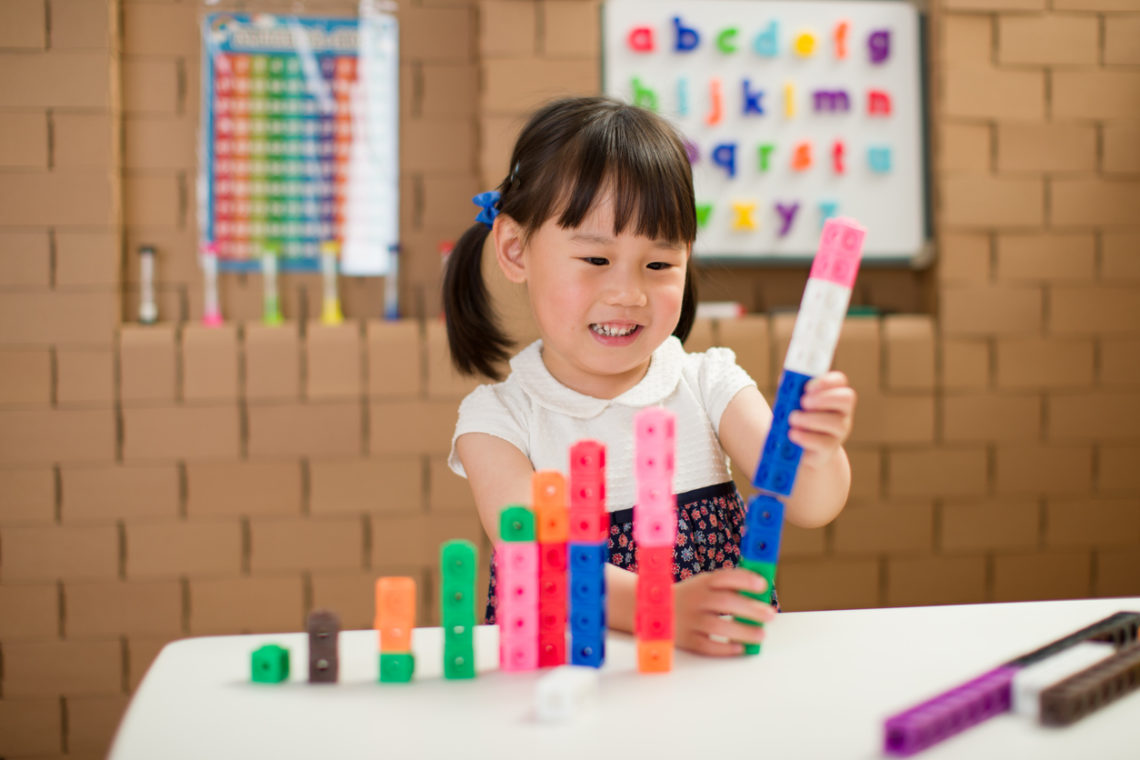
{"x":626,"y":292}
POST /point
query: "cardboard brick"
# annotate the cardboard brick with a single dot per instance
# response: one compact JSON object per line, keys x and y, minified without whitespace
{"x":1049,"y":39}
{"x":858,"y":354}
{"x":209,"y":363}
{"x":25,"y":259}
{"x":1052,"y":256}
{"x":497,"y":135}
{"x":50,"y":668}
{"x":966,"y":147}
{"x":120,"y":608}
{"x":75,"y":198}
{"x":303,"y":543}
{"x":1042,"y":575}
{"x":25,"y":377}
{"x":809,"y":584}
{"x":964,"y":258}
{"x":994,"y":5}
{"x":357,"y":486}
{"x":802,"y":542}
{"x":84,"y":377}
{"x":1105,"y":415}
{"x":148,"y":356}
{"x":1120,"y":361}
{"x":27,"y":495}
{"x":1083,"y":202}
{"x":351,"y":594}
{"x":84,"y":258}
{"x":447,"y":492}
{"x":239,"y":298}
{"x":22,"y":25}
{"x":82,"y":140}
{"x":965,"y":364}
{"x":25,"y":145}
{"x":1117,"y":471}
{"x":1120,"y":35}
{"x":908,"y":343}
{"x":1092,"y":521}
{"x":438,"y":34}
{"x":117,"y":492}
{"x":1037,"y":469}
{"x":862,"y":530}
{"x":702,"y":335}
{"x":1118,"y":254}
{"x":92,"y":721}
{"x":1108,"y":308}
{"x":945,"y":472}
{"x":750,"y":338}
{"x":414,"y":540}
{"x":222,"y":489}
{"x":508,"y":29}
{"x":155,"y":142}
{"x":55,"y":80}
{"x":991,"y":417}
{"x":437,"y":145}
{"x":512,"y":86}
{"x":991,"y":310}
{"x":325,"y":429}
{"x":29,"y":611}
{"x":1034,"y":362}
{"x":181,"y":432}
{"x":866,"y":473}
{"x":51,"y":552}
{"x":162,"y":29}
{"x":893,"y":419}
{"x":246,"y":605}
{"x":58,"y":317}
{"x":1046,"y":147}
{"x":194,"y":548}
{"x":78,"y":24}
{"x":421,"y":427}
{"x":1121,"y":152}
{"x":334,"y":361}
{"x":1093,"y":93}
{"x":1117,"y":572}
{"x":914,"y":581}
{"x":570,"y":29}
{"x":447,"y":201}
{"x":985,"y":92}
{"x":31,"y":726}
{"x":989,"y":525}
{"x":967,"y":39}
{"x":153,"y":199}
{"x":56,"y":435}
{"x":443,"y":380}
{"x":150,"y":86}
{"x":448,"y":89}
{"x":141,"y":653}
{"x":972,"y":201}
{"x":272,"y":362}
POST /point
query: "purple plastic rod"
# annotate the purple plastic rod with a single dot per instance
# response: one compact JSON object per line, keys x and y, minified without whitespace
{"x":949,"y":713}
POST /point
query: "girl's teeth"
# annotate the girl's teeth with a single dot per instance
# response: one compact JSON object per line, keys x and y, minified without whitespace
{"x":612,"y":332}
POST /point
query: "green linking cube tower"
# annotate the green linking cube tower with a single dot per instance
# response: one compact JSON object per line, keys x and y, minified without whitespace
{"x":458,"y":561}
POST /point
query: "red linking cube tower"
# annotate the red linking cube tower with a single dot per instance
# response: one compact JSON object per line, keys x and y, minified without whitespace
{"x":655,"y":532}
{"x":548,"y":493}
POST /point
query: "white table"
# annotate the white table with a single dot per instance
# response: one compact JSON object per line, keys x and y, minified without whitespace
{"x":821,"y":689}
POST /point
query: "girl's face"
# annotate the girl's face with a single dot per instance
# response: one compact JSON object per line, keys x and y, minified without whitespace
{"x":603,"y":303}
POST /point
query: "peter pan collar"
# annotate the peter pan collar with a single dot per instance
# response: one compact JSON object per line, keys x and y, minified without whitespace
{"x":661,"y":380}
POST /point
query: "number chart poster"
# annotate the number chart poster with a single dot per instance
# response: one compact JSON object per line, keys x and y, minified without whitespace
{"x":792,"y":112}
{"x":299,"y":141}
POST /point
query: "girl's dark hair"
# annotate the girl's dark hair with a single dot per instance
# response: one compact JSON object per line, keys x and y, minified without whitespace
{"x":567,"y":153}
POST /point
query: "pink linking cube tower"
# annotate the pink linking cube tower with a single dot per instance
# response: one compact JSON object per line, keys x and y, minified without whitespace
{"x":655,"y":532}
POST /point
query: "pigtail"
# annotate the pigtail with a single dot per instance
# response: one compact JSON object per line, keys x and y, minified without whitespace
{"x":476,"y":341}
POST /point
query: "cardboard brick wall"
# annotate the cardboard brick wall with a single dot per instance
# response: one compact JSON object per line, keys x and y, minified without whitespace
{"x":174,"y":480}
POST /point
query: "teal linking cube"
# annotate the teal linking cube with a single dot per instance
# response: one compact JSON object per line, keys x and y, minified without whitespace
{"x":458,"y":561}
{"x":397,"y":667}
{"x":768,"y":570}
{"x":269,"y":664}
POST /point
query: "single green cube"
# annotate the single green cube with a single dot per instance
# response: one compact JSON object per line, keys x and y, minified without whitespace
{"x":458,"y":652}
{"x":768,"y":570}
{"x":397,"y":667}
{"x":458,"y":561}
{"x":516,"y":523}
{"x":269,"y":664}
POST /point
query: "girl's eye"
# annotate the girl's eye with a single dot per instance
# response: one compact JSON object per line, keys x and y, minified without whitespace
{"x":658,"y":265}
{"x":597,"y":261}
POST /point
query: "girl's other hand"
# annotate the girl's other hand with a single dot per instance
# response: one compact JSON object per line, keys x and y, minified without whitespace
{"x":701,"y":602}
{"x":823,"y":424}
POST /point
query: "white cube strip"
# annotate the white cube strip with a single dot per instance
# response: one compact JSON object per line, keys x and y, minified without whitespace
{"x":818,"y":324}
{"x":565,"y":691}
{"x":1034,"y":679}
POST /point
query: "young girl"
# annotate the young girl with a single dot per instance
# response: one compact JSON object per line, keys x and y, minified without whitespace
{"x":597,"y":219}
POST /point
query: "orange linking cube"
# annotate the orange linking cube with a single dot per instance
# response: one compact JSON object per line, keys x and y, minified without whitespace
{"x":395,"y":619}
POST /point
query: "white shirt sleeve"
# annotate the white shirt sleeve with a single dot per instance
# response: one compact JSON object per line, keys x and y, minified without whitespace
{"x":719,"y":379}
{"x":485,"y":410}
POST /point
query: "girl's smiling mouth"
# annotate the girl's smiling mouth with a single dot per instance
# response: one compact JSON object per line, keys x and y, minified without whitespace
{"x":615,"y":333}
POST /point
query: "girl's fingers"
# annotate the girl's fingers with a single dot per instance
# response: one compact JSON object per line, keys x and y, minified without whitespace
{"x":833,"y":379}
{"x":831,"y":400}
{"x":702,"y":644}
{"x":813,"y":441}
{"x":819,"y":422}
{"x":727,"y":628}
{"x":737,"y":579}
{"x":738,"y":605}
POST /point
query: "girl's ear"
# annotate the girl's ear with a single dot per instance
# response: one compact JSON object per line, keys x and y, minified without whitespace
{"x":509,"y":248}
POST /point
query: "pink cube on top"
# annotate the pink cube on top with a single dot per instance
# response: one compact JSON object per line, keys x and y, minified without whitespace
{"x":840,"y":249}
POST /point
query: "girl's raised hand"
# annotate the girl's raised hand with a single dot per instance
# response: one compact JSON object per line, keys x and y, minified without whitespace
{"x":701,"y":602}
{"x":824,"y":423}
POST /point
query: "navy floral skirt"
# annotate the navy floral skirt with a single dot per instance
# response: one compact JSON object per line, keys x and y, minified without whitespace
{"x":709,"y":522}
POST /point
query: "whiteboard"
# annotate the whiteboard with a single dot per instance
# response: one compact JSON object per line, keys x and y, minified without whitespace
{"x":792,"y":112}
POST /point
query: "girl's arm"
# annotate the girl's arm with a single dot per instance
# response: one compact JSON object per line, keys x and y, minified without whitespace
{"x":821,"y":428}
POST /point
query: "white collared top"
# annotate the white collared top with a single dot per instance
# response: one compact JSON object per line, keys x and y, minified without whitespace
{"x":542,"y":417}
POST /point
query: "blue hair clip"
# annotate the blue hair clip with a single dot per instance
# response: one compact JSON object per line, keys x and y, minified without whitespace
{"x":489,"y":202}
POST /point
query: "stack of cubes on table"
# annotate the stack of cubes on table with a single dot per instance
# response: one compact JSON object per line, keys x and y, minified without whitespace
{"x":458,"y":564}
{"x":655,"y":533}
{"x":814,"y":337}
{"x":588,"y":535}
{"x":395,"y":620}
{"x":516,"y":558}
{"x":548,"y":493}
